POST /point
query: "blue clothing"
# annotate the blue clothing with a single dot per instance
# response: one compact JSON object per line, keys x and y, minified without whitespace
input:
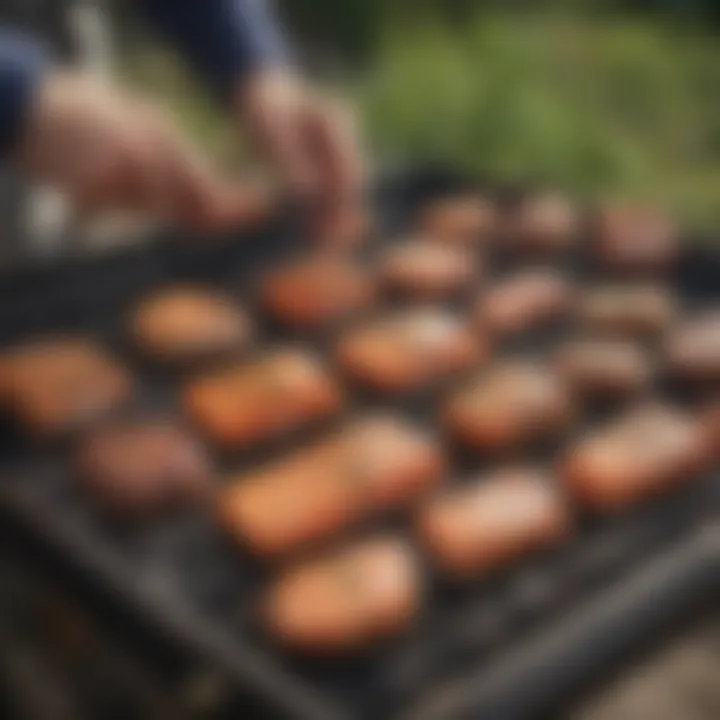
{"x":22,"y":61}
{"x":222,"y":39}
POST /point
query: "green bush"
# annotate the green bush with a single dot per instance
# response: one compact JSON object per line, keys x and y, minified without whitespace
{"x":605,"y":107}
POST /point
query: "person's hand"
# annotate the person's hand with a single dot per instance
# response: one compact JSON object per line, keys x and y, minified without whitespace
{"x":106,"y":149}
{"x":312,"y":143}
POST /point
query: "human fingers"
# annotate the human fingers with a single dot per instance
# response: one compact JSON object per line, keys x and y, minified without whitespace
{"x":340,"y":218}
{"x":333,"y":138}
{"x":272,"y":104}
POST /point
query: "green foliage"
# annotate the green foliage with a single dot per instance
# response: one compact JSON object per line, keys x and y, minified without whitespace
{"x":603,"y":107}
{"x":351,"y":27}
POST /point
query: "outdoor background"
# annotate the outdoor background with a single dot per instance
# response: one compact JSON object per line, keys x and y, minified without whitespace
{"x":598,"y":98}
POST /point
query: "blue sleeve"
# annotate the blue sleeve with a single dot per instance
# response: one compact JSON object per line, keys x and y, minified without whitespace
{"x":223,"y":39}
{"x":22,"y":63}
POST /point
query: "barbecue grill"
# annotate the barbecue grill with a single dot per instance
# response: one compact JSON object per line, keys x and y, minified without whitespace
{"x":510,"y":648}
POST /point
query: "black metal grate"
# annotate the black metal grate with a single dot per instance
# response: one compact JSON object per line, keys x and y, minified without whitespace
{"x":477,"y":649}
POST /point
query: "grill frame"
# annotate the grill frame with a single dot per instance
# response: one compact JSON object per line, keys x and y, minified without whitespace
{"x":682,"y":562}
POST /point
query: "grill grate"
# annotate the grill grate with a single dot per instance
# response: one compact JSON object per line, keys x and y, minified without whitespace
{"x":183,"y":576}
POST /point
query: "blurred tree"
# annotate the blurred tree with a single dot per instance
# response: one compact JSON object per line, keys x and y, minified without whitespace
{"x":351,"y":27}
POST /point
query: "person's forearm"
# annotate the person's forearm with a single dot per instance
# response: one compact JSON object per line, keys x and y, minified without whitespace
{"x":225,"y":40}
{"x":22,"y":65}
